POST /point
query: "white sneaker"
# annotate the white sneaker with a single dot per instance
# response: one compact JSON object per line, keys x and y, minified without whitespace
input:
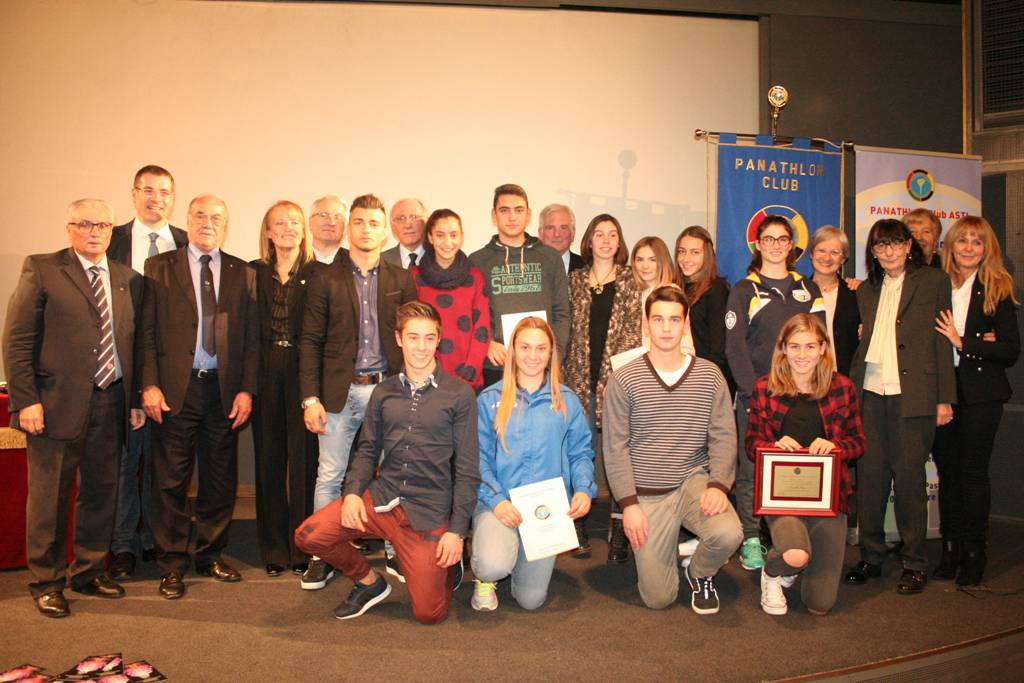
{"x":773,"y":600}
{"x":686,"y":551}
{"x":788,"y":581}
{"x":485,"y":596}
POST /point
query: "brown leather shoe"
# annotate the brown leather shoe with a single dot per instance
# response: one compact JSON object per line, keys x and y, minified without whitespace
{"x":53,"y":604}
{"x":220,"y":570}
{"x":101,"y":587}
{"x":171,"y":586}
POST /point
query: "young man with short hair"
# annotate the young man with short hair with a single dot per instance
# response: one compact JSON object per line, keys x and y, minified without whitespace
{"x":670,"y":457}
{"x":521,"y":275}
{"x":424,"y":422}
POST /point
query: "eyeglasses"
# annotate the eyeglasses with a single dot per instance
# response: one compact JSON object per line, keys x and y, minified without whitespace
{"x":407,"y":218}
{"x":215,"y":218}
{"x":328,"y":216}
{"x":881,"y":246}
{"x":86,"y":227}
{"x":782,"y":240}
{"x":150,"y":192}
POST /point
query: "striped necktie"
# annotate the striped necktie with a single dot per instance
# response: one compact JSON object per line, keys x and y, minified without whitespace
{"x":105,"y":368}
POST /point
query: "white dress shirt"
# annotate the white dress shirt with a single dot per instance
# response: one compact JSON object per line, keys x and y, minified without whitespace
{"x":140,"y":243}
{"x":404,"y":253}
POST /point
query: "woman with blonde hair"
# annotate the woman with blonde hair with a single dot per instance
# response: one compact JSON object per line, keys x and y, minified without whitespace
{"x":532,"y":428}
{"x":285,"y":452}
{"x":605,"y":302}
{"x":982,"y":326}
{"x":804,"y":403}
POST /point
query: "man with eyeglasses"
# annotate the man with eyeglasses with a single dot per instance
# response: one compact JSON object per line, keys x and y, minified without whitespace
{"x":200,"y":359}
{"x":408,"y":225}
{"x":147,"y":235}
{"x":327,"y":219}
{"x":68,"y":355}
{"x":348,"y":347}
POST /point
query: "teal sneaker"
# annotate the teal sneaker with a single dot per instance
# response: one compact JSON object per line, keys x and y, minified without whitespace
{"x":752,"y":554}
{"x":485,"y":596}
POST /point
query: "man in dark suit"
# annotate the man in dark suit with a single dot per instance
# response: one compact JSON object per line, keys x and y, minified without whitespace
{"x":200,"y":352}
{"x":558,"y":230}
{"x":408,"y":225}
{"x":69,"y":353}
{"x":347,"y":347}
{"x":131,"y":244}
{"x":327,"y":219}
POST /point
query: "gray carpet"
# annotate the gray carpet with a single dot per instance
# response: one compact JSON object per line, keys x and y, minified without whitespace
{"x":593,"y":626}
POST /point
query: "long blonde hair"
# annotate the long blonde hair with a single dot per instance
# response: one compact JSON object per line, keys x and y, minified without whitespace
{"x":509,"y":385}
{"x":991,"y":272}
{"x":666,"y":266}
{"x":267,"y":252}
{"x":780,"y":377}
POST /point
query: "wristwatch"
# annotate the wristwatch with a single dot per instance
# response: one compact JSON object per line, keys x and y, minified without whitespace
{"x":311,"y":401}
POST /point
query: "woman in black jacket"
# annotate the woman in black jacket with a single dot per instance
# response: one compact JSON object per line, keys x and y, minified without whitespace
{"x":829,"y":249}
{"x":697,"y":272}
{"x":982,"y":326}
{"x":285,"y":451}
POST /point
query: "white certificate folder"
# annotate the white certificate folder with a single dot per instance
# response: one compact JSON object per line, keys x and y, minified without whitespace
{"x":547,"y":528}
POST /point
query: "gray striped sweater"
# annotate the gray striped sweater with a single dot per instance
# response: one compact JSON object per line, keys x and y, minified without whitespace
{"x":656,"y":436}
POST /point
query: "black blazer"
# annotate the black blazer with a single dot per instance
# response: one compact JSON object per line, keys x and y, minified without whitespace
{"x":576,"y":261}
{"x":120,"y":248}
{"x":330,"y":328}
{"x":171,"y":318}
{"x":53,"y":332}
{"x":707,"y":326}
{"x":924,"y":356}
{"x":265,"y":302}
{"x":981,"y":375}
{"x":844,"y":327}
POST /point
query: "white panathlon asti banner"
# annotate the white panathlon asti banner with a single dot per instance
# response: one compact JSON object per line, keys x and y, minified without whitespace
{"x":892,"y":182}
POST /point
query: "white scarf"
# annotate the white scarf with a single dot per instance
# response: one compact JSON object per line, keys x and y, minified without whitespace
{"x":882,"y":348}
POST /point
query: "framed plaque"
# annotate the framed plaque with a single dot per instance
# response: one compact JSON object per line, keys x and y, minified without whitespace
{"x":796,"y":483}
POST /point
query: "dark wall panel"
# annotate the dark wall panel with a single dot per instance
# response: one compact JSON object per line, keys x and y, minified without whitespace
{"x":873,"y":82}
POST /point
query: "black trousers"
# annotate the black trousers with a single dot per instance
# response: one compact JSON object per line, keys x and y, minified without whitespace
{"x":52,"y":467}
{"x":895,"y":454}
{"x":286,"y":458}
{"x":962,"y":451}
{"x":202,"y":433}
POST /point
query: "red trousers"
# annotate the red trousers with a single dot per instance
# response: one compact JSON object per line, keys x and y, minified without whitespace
{"x":430,"y":586}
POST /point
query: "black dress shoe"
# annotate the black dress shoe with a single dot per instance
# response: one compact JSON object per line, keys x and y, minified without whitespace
{"x":950,"y":561}
{"x":171,"y":586}
{"x":220,"y":571}
{"x":101,"y":587}
{"x":300,"y":568}
{"x":53,"y":605}
{"x":123,"y":565}
{"x":912,"y":582}
{"x":275,"y":569}
{"x":362,"y":546}
{"x":862,"y":572}
{"x":149,"y":554}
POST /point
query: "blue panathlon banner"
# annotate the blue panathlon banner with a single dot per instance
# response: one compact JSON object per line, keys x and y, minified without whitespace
{"x":756,"y":180}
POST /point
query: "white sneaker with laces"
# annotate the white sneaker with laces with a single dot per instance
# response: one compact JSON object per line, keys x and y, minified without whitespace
{"x":485,"y":596}
{"x":773,"y":600}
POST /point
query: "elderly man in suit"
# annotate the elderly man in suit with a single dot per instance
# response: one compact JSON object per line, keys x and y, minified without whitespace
{"x":200,"y":352}
{"x":408,"y":225}
{"x":69,"y":353}
{"x":558,"y":230}
{"x":147,"y":235}
{"x":347,"y":347}
{"x":327,"y":219}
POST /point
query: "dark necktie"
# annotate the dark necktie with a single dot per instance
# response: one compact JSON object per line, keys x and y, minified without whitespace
{"x":412,"y":259}
{"x":105,"y":368}
{"x":153,"y":251}
{"x":209,"y":305}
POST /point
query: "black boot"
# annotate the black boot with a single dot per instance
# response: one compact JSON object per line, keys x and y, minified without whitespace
{"x":950,"y":561}
{"x":583,"y":552}
{"x":972,"y":564}
{"x":618,"y":545}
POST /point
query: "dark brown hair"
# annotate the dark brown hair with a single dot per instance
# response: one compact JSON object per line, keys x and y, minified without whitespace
{"x":587,"y":241}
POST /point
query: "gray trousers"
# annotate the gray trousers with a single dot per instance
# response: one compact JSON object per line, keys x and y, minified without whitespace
{"x":657,"y":562}
{"x":824,"y":539}
{"x":895,"y":454}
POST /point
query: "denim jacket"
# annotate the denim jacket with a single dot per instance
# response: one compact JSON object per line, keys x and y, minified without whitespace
{"x":542,"y":444}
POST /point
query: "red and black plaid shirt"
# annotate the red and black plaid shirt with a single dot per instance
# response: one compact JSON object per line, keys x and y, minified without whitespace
{"x":840,"y":413}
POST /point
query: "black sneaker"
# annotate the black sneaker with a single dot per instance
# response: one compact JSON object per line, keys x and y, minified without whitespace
{"x":392,"y":567}
{"x":618,"y":544}
{"x":704,"y":597}
{"x":583,"y":552}
{"x":362,"y":598}
{"x":317,"y":574}
{"x":362,"y":546}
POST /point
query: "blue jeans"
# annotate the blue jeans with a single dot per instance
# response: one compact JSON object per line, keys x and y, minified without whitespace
{"x":130,"y":505}
{"x":336,"y":444}
{"x":497,"y":553}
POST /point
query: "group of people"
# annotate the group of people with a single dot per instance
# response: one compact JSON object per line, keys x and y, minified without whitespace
{"x":403,"y":393}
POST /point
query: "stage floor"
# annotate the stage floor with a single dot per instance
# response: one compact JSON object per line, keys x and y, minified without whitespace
{"x":593,"y":627}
